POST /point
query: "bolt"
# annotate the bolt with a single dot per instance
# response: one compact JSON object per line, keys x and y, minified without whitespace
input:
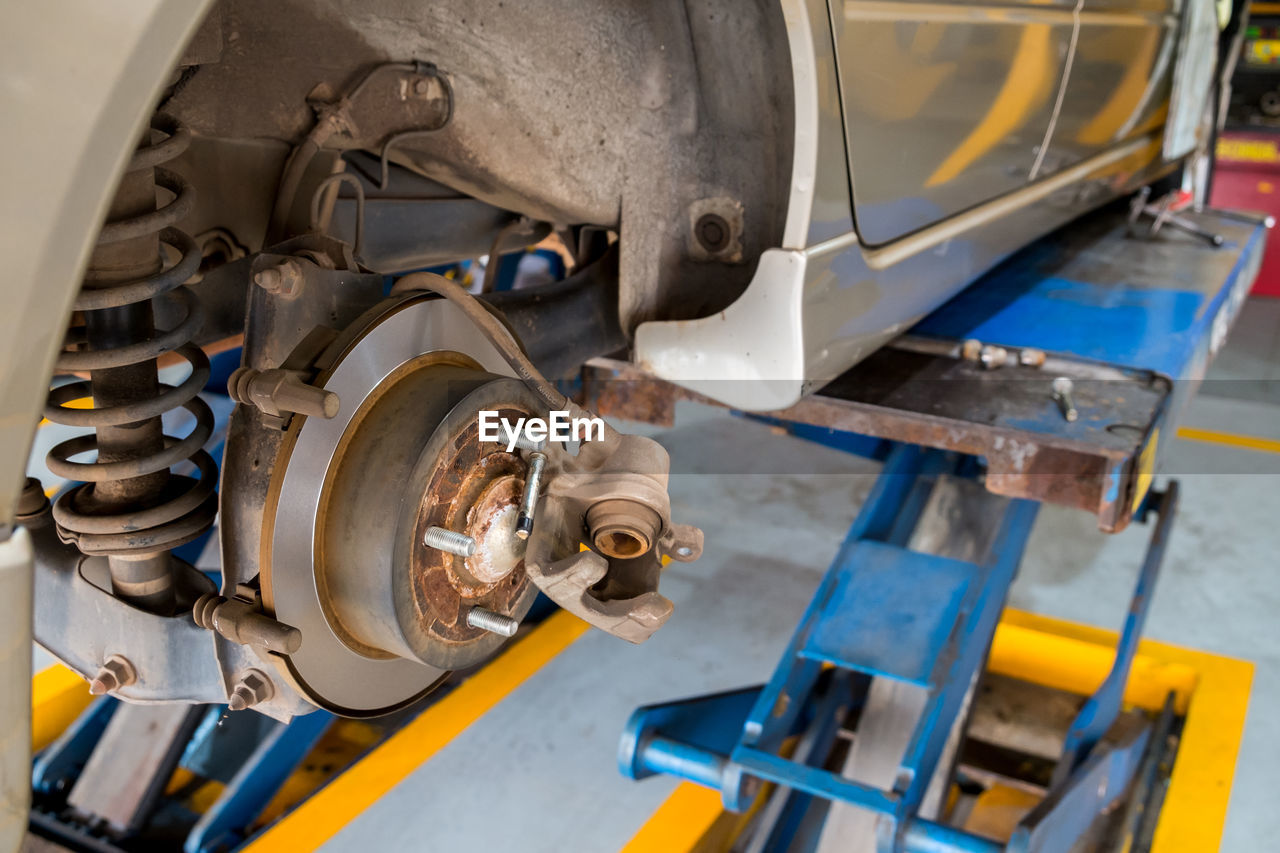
{"x":240,"y":622}
{"x":252,"y":688}
{"x":1031,"y":357}
{"x":494,"y":623}
{"x":523,"y":442}
{"x":529,"y":500}
{"x":449,"y":541}
{"x":1062,"y":387}
{"x":116,"y":672}
{"x":277,"y":392}
{"x":713,"y":232}
{"x":268,"y":279}
{"x":283,"y":279}
{"x":421,"y":86}
{"x":993,"y":357}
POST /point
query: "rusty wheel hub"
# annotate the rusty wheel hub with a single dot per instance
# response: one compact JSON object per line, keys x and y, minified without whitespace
{"x":412,"y":461}
{"x":383,"y":617}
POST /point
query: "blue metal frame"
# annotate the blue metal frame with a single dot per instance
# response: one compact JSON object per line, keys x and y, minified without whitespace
{"x":58,"y":765}
{"x":932,"y":631}
{"x":1101,"y":710}
{"x":226,"y":823}
{"x":883,"y":611}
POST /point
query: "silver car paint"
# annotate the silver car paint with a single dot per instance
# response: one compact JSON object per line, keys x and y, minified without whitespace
{"x":814,"y":309}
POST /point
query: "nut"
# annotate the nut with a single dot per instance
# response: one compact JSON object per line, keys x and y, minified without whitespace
{"x":116,"y":672}
{"x":252,"y":688}
{"x":283,"y":280}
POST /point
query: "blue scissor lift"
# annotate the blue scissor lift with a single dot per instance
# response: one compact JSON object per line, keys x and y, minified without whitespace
{"x":974,"y":436}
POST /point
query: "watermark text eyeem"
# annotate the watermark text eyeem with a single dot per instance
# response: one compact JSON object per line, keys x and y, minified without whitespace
{"x":558,"y":426}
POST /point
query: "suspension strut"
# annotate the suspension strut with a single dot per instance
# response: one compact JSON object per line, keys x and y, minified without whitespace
{"x":129,"y":507}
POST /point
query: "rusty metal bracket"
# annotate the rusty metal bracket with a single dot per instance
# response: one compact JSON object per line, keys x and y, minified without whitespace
{"x":940,"y":399}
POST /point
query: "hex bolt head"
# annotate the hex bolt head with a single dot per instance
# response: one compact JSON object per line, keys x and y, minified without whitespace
{"x":116,"y":672}
{"x":449,"y":541}
{"x":253,"y":688}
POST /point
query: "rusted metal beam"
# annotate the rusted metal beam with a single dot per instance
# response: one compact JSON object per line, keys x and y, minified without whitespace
{"x":1007,"y":415}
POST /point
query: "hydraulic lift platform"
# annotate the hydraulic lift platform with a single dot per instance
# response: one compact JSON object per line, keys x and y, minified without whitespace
{"x":859,"y":738}
{"x":1056,"y":379}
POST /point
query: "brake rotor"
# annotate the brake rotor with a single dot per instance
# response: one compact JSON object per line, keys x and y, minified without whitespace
{"x":382,"y":616}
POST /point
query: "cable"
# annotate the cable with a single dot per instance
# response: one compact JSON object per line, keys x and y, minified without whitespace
{"x":429,"y":69}
{"x":493,"y":329}
{"x":333,"y":180}
{"x":332,"y":118}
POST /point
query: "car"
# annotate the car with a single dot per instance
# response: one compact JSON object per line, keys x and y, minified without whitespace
{"x":746,"y":198}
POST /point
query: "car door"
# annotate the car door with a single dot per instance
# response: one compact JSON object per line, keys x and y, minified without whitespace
{"x":1120,"y":79}
{"x":946,"y":104}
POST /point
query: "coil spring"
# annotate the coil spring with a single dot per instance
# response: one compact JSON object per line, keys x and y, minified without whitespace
{"x":186,"y":506}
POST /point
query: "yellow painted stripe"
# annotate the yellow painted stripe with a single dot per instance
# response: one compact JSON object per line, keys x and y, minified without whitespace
{"x":1265,"y":9}
{"x":1078,"y":666}
{"x":1195,"y":806}
{"x":1212,"y":690}
{"x":681,"y":823}
{"x":334,"y":806}
{"x":1249,"y":442}
{"x":58,"y":696}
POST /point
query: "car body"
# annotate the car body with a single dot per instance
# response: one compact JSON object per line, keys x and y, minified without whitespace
{"x":790,"y":183}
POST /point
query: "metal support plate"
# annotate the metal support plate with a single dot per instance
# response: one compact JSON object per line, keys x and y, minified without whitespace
{"x":1133,"y":322}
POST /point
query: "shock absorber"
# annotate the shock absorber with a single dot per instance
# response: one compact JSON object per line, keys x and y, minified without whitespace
{"x":129,"y":507}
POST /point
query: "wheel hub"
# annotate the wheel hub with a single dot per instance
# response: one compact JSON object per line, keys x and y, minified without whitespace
{"x":383,"y":616}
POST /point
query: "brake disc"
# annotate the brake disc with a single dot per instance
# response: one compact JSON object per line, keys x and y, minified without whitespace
{"x":382,"y":617}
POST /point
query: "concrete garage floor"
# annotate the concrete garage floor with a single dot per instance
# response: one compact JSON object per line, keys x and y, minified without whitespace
{"x":537,"y":773}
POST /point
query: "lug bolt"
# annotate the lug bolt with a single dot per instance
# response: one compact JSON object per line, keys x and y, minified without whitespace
{"x":252,"y":688}
{"x":529,"y":500}
{"x":523,"y":442}
{"x":116,"y":672}
{"x":494,"y":623}
{"x":1062,"y":388}
{"x":448,"y":541}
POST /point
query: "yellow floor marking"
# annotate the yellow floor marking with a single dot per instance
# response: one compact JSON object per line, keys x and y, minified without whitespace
{"x":334,"y":806}
{"x":1248,"y":442}
{"x":58,"y":695}
{"x":1212,"y":691}
{"x":681,"y":823}
{"x":1079,"y":666}
{"x":1195,"y":806}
